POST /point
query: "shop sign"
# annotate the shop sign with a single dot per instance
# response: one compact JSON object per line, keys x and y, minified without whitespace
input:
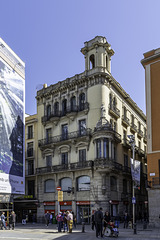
{"x":66,"y":203}
{"x":49,"y":203}
{"x":83,"y":203}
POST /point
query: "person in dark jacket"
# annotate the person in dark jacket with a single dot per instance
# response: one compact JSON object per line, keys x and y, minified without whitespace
{"x":126,"y":220}
{"x":98,"y":222}
{"x":93,"y":221}
{"x":107,"y":219}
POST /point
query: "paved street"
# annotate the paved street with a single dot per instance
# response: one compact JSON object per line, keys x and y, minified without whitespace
{"x":39,"y":231}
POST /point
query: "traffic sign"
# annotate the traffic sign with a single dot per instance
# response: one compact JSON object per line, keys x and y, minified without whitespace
{"x":60,"y":196}
{"x":133,"y":200}
{"x":59,"y":188}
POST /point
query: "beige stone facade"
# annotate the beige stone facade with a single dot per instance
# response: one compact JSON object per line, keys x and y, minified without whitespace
{"x":82,"y":127}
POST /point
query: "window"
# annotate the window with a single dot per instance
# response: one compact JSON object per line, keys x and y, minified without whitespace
{"x":31,"y":188}
{"x":125,"y":160}
{"x":48,"y":135}
{"x":124,"y":186}
{"x":49,"y":161}
{"x":106,"y":148}
{"x":115,"y":126}
{"x":64,"y":157}
{"x":83,"y":183}
{"x":56,"y":108}
{"x":49,"y":186}
{"x":82,"y":155}
{"x":64,"y":107}
{"x":65,"y":184}
{"x":64,"y":131}
{"x":124,"y":135}
{"x":125,"y":112}
{"x":110,"y":99}
{"x":30,"y":149}
{"x":81,"y":101}
{"x":73,"y":104}
{"x":98,"y":149}
{"x":132,"y":120}
{"x":139,"y":126}
{"x":48,"y":111}
{"x":30,"y":132}
{"x":92,"y":61}
{"x":113,"y":183}
{"x":139,"y":144}
{"x":114,"y":103}
{"x":82,"y":127}
{"x":30,"y":167}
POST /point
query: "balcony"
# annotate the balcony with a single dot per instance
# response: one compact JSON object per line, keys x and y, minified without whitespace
{"x":65,"y":167}
{"x":141,"y":153}
{"x":140,"y":133}
{"x":114,"y":111}
{"x":126,"y":143}
{"x":106,"y":163}
{"x":133,"y":128}
{"x":69,"y":111}
{"x":125,"y":121}
{"x":64,"y":137}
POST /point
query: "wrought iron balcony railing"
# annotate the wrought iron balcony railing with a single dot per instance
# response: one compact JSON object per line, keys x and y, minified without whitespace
{"x":64,"y":137}
{"x":125,"y":120}
{"x":65,"y":167}
{"x":58,"y":114}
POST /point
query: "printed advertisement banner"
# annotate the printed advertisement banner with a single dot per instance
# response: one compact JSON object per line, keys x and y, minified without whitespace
{"x":12,"y":96}
{"x":135,"y":171}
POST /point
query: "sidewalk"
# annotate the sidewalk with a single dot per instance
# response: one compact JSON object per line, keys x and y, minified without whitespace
{"x":142,"y":234}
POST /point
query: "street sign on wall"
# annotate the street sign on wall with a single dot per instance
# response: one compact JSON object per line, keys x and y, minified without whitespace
{"x":60,"y":196}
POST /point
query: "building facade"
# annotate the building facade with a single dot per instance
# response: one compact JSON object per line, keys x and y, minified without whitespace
{"x":151,"y":64}
{"x":82,"y":128}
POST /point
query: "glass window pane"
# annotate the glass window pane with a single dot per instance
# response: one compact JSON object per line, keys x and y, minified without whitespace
{"x":50,"y":185}
{"x":84,"y":183}
{"x":66,"y":183}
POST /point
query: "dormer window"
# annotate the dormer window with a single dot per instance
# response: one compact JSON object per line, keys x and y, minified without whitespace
{"x":92,"y":61}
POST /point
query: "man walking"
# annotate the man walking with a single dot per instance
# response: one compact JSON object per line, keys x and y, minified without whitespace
{"x":98,"y":222}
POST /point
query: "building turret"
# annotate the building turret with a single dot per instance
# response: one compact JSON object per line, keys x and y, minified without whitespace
{"x":97,"y":54}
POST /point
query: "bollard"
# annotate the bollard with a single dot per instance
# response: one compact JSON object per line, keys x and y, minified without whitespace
{"x":134,"y":228}
{"x":83,"y":227}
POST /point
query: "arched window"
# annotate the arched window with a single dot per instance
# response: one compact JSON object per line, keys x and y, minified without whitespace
{"x":65,"y":184}
{"x":73,"y":104}
{"x":83,"y":183}
{"x":49,"y":186}
{"x":48,"y":111}
{"x":91,"y":62}
{"x":82,"y":101}
{"x":56,"y":108}
{"x":64,"y":107}
{"x":113,"y":183}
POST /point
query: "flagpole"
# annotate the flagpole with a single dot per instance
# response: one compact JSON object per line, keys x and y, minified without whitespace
{"x":132,"y":141}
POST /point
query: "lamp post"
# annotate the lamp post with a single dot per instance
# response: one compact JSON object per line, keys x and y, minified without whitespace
{"x":132,"y":142}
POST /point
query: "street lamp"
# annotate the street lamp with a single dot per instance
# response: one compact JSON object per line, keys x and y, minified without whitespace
{"x":132,"y":142}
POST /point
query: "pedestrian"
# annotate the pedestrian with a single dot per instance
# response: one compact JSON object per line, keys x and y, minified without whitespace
{"x":47,"y":218}
{"x":59,"y":219}
{"x":98,"y":222}
{"x":3,"y":220}
{"x":126,"y":220}
{"x":106,"y":219}
{"x":65,"y":226}
{"x":117,"y":220}
{"x":69,"y":221}
{"x":12,"y":220}
{"x":93,"y":221}
{"x":74,"y":220}
{"x":51,"y":218}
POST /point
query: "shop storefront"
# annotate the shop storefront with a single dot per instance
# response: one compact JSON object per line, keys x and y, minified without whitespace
{"x":65,"y":206}
{"x":49,"y":207}
{"x":83,"y":212}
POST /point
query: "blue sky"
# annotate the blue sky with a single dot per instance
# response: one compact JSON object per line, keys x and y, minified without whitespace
{"x":48,"y":35}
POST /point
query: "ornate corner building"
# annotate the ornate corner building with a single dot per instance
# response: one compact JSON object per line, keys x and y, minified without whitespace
{"x":81,"y":142}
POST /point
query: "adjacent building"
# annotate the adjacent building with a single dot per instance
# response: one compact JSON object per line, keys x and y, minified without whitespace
{"x":80,"y":142}
{"x":151,"y":64}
